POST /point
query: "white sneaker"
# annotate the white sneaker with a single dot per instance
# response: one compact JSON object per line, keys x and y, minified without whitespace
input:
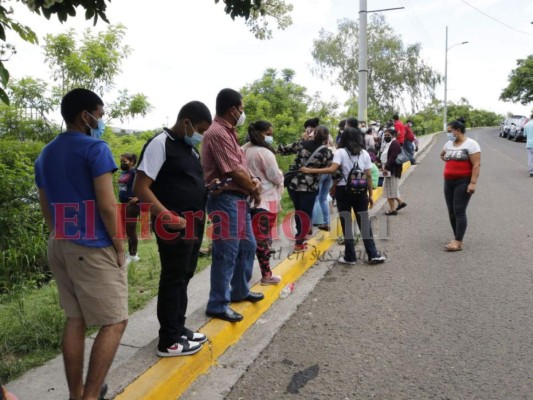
{"x":342,"y":260}
{"x":377,"y":260}
{"x":127,"y":260}
{"x":135,"y":258}
{"x":181,"y":348}
{"x":196,"y":337}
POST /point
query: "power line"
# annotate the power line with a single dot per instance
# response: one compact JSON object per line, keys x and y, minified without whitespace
{"x":420,"y":26}
{"x":497,"y":20}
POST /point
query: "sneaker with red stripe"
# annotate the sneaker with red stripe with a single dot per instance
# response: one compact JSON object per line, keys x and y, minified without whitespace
{"x":182,"y":347}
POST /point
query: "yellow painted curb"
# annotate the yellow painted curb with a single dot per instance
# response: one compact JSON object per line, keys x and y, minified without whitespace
{"x":170,"y":377}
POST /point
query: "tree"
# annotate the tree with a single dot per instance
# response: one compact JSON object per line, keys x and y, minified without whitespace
{"x":397,"y":76}
{"x":26,"y":118}
{"x":520,"y":88}
{"x":255,"y":12}
{"x":278,"y":100}
{"x":327,"y":111}
{"x":277,"y":10}
{"x":93,"y":63}
{"x":25,"y":33}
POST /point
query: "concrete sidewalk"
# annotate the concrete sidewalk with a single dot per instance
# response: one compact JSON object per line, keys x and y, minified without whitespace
{"x":136,"y":353}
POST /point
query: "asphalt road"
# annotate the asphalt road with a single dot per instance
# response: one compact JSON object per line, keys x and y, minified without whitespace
{"x":427,"y":324}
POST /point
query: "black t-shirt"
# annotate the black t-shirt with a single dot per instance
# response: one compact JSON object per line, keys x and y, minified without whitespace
{"x":177,"y":172}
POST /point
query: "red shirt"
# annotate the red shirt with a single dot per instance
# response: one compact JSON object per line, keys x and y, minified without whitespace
{"x":409,"y":134}
{"x":458,"y":164}
{"x":400,"y":131}
{"x":221,"y":153}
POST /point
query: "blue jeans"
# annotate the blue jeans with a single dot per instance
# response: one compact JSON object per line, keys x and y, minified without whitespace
{"x":233,"y":250}
{"x":321,"y":208}
{"x":409,"y":148}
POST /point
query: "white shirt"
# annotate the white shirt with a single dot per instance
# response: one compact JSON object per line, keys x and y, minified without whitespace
{"x":384,"y":152}
{"x":347,"y":161}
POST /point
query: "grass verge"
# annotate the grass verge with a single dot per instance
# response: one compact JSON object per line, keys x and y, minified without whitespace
{"x":31,"y":320}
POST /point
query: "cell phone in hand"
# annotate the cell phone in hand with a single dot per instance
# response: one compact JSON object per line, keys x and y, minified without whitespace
{"x":219,"y":185}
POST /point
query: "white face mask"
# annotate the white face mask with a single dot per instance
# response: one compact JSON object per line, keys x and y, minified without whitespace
{"x":269,"y":139}
{"x":240,"y":121}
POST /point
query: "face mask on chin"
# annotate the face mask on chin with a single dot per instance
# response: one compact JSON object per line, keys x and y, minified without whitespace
{"x":269,"y":139}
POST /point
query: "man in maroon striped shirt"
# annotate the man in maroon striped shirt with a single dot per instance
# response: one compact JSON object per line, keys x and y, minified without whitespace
{"x":233,"y":239}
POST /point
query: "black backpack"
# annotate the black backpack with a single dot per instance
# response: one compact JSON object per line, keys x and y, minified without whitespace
{"x":356,"y":182}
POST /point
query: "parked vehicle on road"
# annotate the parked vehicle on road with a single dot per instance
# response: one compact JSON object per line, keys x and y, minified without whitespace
{"x":517,"y":133}
{"x":511,"y":124}
{"x":503,"y":126}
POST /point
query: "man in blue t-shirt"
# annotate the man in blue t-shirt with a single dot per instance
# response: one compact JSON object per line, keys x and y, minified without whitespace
{"x":74,"y":175}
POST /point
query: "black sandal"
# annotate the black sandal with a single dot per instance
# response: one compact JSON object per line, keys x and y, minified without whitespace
{"x":391,"y":212}
{"x":402,"y":205}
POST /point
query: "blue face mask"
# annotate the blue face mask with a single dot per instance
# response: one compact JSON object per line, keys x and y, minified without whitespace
{"x":269,"y":139}
{"x":193,"y":140}
{"x":451,"y":138}
{"x":100,"y":128}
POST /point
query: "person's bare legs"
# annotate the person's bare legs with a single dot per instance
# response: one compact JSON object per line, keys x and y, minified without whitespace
{"x":102,"y":355}
{"x":392,"y":206}
{"x":399,"y":201}
{"x":73,"y":348}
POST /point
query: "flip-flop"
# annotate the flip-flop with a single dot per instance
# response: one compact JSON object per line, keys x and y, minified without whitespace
{"x":402,"y":205}
{"x":456,"y":247}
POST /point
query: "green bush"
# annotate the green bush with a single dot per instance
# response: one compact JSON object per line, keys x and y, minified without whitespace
{"x":22,"y":229}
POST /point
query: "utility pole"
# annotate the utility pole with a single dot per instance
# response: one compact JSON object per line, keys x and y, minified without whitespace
{"x":362,"y":96}
{"x":362,"y":100}
{"x":445,"y":111}
{"x":445,"y":116}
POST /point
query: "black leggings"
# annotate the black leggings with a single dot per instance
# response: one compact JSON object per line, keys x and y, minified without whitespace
{"x":457,"y":200}
{"x":132,"y":211}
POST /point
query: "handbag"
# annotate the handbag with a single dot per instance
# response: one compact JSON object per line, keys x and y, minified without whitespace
{"x":402,"y":157}
{"x":289,"y":175}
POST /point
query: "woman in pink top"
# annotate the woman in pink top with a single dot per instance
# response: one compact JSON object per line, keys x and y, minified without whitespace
{"x":262,"y":163}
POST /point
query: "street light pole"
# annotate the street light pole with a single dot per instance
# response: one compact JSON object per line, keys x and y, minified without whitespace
{"x":445,"y":117}
{"x":445,"y":112}
{"x":363,"y":64}
{"x":362,"y":93}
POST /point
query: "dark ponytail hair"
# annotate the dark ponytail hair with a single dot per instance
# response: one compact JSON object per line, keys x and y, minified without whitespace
{"x":458,"y":124}
{"x":131,"y":157}
{"x":256,"y":137}
{"x":349,"y":141}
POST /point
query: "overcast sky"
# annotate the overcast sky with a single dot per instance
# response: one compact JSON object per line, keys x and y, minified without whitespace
{"x":190,"y":49}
